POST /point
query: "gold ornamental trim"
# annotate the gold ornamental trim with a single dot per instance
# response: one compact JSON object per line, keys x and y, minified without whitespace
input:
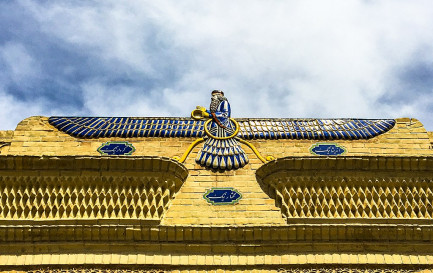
{"x":188,"y":151}
{"x":215,"y":137}
{"x":256,"y":152}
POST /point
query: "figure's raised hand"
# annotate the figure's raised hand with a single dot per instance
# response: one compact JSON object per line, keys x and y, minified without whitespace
{"x":199,"y":113}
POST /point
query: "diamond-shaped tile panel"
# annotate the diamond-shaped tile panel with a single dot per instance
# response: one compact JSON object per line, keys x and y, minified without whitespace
{"x":32,"y":197}
{"x":357,"y":197}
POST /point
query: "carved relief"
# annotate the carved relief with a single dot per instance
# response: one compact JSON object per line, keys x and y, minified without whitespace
{"x":221,"y":149}
{"x":356,"y":197}
{"x":90,"y":197}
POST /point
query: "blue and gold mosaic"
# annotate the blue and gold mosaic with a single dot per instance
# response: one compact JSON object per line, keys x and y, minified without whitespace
{"x":314,"y":129}
{"x":222,"y":196}
{"x":116,"y":148}
{"x":220,"y":134}
{"x":327,"y":149}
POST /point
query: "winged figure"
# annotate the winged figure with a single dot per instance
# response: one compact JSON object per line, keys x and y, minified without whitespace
{"x":220,"y":133}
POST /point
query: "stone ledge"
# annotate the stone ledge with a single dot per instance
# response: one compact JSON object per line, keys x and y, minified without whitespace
{"x":413,"y":262}
{"x":6,"y":136}
{"x":347,"y":163}
{"x":91,"y":163}
{"x":143,"y":231}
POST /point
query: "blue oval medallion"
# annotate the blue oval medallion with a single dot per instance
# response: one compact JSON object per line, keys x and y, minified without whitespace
{"x":222,"y":196}
{"x":327,"y":149}
{"x":116,"y":148}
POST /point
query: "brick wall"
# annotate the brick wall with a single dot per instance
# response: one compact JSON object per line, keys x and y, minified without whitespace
{"x":263,"y":239}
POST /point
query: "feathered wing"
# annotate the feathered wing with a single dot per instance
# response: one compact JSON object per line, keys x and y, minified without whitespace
{"x":222,"y":154}
{"x":319,"y":129}
{"x":314,"y":129}
{"x":96,"y":127}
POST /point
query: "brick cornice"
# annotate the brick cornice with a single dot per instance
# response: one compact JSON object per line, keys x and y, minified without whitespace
{"x":296,"y":231}
{"x":114,"y":164}
{"x":347,"y":163}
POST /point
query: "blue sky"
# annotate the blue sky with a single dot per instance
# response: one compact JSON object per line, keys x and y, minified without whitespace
{"x":324,"y":59}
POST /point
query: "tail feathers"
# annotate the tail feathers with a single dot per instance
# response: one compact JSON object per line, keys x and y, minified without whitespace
{"x":222,"y":154}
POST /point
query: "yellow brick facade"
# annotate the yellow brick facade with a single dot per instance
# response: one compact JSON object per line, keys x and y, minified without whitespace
{"x":63,"y":206}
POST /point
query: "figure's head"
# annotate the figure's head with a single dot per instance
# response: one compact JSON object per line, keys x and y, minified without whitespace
{"x":217,"y":93}
{"x":217,"y":97}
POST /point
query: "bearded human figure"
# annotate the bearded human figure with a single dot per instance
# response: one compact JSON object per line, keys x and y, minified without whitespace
{"x":221,"y":149}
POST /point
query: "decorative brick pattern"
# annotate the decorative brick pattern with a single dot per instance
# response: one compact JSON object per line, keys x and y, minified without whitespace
{"x":93,"y":192}
{"x":84,"y":197}
{"x":368,"y":210}
{"x":340,"y":197}
{"x":376,"y":234}
{"x":336,"y":191}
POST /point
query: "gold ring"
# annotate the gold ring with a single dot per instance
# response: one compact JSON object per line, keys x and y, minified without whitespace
{"x":215,"y":137}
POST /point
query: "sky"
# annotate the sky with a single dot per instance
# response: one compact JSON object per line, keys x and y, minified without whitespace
{"x":283,"y":59}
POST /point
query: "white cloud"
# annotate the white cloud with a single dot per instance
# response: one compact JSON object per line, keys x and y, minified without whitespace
{"x":273,"y":58}
{"x":105,"y":100}
{"x":12,"y":111}
{"x":18,"y":62}
{"x":18,"y":68}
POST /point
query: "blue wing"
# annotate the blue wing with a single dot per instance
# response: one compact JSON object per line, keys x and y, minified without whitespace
{"x":96,"y":127}
{"x":325,"y":129}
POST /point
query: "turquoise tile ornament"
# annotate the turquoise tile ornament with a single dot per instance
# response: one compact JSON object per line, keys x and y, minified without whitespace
{"x":222,"y":196}
{"x":116,"y":148}
{"x":327,"y":149}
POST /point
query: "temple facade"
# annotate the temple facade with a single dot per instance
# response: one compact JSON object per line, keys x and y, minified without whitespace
{"x":215,"y":194}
